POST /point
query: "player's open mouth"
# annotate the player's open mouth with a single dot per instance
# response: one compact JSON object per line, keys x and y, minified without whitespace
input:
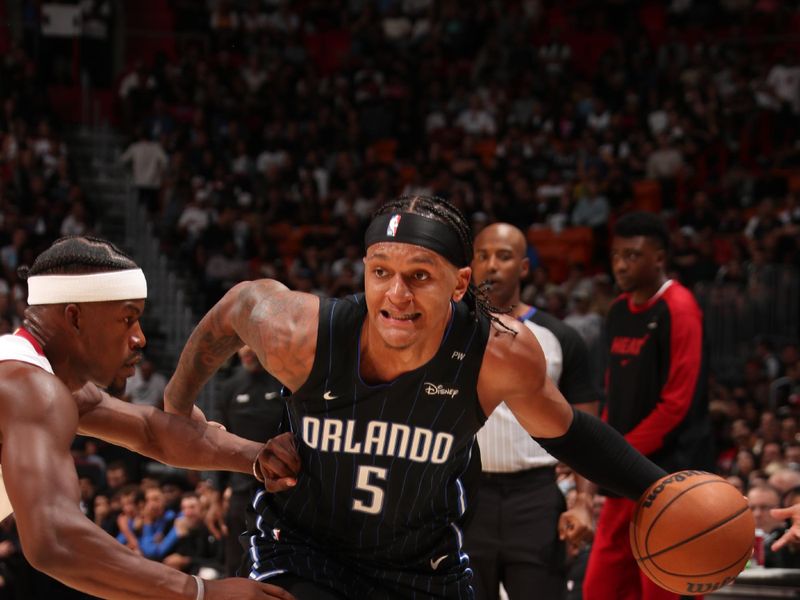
{"x":400,"y":317}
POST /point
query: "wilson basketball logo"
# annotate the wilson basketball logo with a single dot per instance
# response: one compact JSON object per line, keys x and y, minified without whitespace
{"x":394,"y":223}
{"x":676,"y":477}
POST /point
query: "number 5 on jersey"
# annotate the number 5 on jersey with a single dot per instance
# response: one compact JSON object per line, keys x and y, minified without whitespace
{"x":374,"y":494}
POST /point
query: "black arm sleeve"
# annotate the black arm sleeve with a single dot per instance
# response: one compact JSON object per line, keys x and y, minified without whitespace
{"x":600,"y":454}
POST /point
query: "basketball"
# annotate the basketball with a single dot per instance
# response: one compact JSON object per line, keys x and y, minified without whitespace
{"x":692,"y":532}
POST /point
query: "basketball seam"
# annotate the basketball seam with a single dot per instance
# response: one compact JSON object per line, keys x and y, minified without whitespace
{"x":650,"y":568}
{"x":686,"y":575}
{"x":698,"y":534}
{"x":644,"y":565}
{"x":668,"y":504}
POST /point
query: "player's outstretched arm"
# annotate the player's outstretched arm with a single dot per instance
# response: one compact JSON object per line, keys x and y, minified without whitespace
{"x":792,"y":535}
{"x":38,"y":420}
{"x":178,"y":441}
{"x":278,"y":324}
{"x":513,"y":371}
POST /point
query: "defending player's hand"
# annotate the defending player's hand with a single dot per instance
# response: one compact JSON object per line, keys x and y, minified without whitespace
{"x":243,"y":589}
{"x":792,"y":535}
{"x":576,"y":525}
{"x":279,"y":463}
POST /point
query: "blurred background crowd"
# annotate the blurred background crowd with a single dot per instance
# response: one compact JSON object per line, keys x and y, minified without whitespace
{"x":261,"y":134}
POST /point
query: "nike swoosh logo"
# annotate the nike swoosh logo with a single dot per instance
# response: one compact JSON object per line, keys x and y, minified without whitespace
{"x":435,"y":563}
{"x":328,"y":396}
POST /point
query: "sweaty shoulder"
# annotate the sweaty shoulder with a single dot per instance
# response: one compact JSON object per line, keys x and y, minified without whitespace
{"x":511,"y":362}
{"x":281,"y":326}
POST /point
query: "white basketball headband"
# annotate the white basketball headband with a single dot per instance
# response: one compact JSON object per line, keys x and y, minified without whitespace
{"x":129,"y":284}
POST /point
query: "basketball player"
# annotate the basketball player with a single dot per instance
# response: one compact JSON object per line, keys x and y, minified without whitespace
{"x":390,"y":388}
{"x":81,"y":329}
{"x":513,"y":537}
{"x":655,"y":392}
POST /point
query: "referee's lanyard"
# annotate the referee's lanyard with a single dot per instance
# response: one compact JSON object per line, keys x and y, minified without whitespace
{"x":530,"y":312}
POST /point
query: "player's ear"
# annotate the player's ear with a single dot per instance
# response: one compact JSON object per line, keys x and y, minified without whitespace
{"x":463,"y":276}
{"x":72,"y":316}
{"x":661,"y":258}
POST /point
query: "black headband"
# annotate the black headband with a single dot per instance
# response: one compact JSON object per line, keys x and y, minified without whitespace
{"x":411,"y":228}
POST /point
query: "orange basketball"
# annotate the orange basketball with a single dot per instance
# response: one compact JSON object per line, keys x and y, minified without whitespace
{"x":692,"y":532}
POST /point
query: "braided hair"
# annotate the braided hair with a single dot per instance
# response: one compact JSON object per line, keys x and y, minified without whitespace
{"x":448,"y":213}
{"x":78,"y":254}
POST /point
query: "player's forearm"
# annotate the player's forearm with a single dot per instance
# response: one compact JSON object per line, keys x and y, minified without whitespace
{"x":585,"y":488}
{"x":211,"y":343}
{"x":190,"y":444}
{"x":611,"y":462}
{"x":82,"y":556}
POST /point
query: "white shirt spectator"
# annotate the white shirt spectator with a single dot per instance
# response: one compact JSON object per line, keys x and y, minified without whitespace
{"x":271,"y":158}
{"x":75,"y":222}
{"x":658,"y":121}
{"x":134,"y":80}
{"x":146,"y":387}
{"x":396,"y":27}
{"x":254,"y":76}
{"x":785,"y":83}
{"x":599,"y":121}
{"x":149,"y":162}
{"x":591,"y":211}
{"x":664,"y":163}
{"x":476,"y":121}
{"x":194,"y":219}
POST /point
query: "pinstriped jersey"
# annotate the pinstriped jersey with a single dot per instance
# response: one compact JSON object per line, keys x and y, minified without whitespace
{"x":383,"y":482}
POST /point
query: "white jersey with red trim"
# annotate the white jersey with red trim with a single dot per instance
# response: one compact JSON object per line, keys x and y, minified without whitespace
{"x":19,"y":348}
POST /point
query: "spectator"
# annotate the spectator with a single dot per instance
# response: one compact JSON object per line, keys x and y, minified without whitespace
{"x":592,"y":209}
{"x":149,"y":162}
{"x":785,"y":479}
{"x":147,"y":385}
{"x":583,"y":319}
{"x":196,"y":550}
{"x":763,"y":500}
{"x":159,"y":535}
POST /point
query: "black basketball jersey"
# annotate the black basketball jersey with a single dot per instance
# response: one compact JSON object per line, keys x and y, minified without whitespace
{"x":377,"y":509}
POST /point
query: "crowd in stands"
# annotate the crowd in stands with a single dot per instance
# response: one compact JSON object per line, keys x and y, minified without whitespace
{"x":293,"y":121}
{"x":262,"y":147}
{"x":40,"y":198}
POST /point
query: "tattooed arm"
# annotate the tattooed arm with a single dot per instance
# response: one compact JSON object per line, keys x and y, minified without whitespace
{"x":278,"y":324}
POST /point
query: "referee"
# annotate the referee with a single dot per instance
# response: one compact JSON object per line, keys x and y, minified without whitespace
{"x":513,"y":538}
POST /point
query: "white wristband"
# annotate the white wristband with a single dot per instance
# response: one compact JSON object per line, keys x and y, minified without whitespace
{"x":201,"y":588}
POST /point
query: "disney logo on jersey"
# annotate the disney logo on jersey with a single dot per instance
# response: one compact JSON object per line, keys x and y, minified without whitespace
{"x":433,"y":389}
